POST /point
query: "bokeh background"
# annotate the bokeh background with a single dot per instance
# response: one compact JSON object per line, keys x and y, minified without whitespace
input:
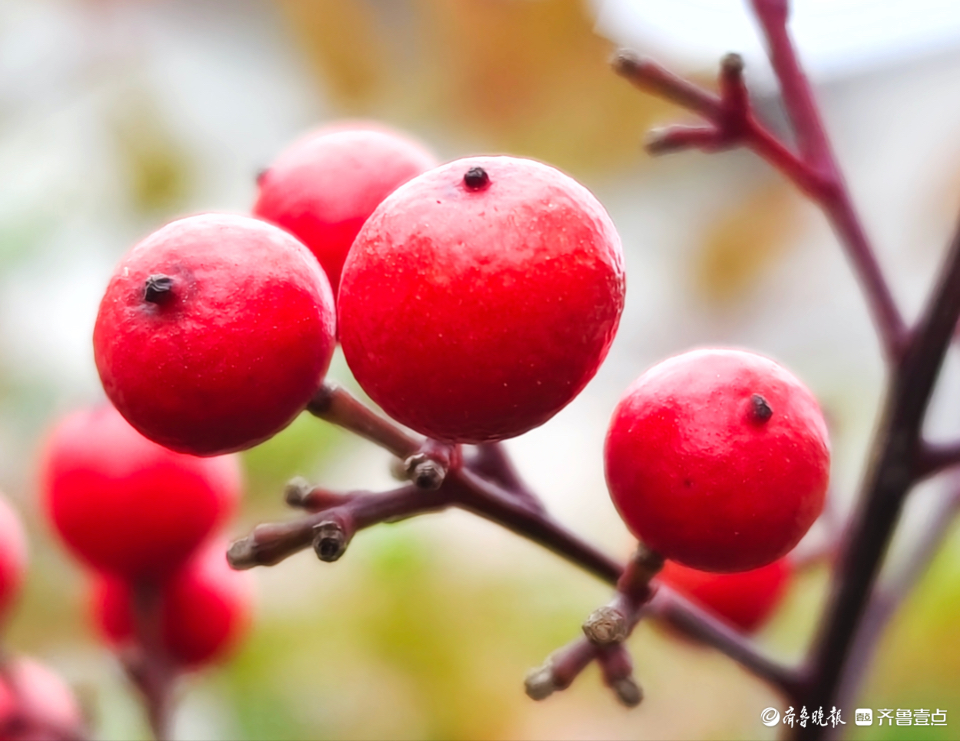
{"x":119,"y":115}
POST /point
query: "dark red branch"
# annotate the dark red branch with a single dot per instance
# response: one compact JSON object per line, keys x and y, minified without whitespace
{"x":148,"y":664}
{"x":338,"y":406}
{"x":894,"y":470}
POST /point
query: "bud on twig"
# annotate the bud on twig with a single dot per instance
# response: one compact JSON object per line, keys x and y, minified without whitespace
{"x":606,"y":626}
{"x":539,"y":683}
{"x":296,"y":491}
{"x":330,"y":540}
{"x":424,"y":471}
{"x":628,"y":692}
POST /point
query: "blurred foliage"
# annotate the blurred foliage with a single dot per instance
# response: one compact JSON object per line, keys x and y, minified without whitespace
{"x":526,"y":77}
{"x":407,"y":641}
{"x":737,"y":249}
{"x":918,"y":661}
{"x":301,"y":449}
{"x":154,"y":163}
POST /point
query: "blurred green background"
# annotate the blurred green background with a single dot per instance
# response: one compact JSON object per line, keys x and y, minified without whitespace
{"x":118,"y":115}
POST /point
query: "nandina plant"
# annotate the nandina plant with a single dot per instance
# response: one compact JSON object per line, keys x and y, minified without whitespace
{"x":203,"y":609}
{"x":142,"y":516}
{"x":481,"y":297}
{"x":715,"y":437}
{"x":325,"y":185}
{"x":444,"y":472}
{"x":744,"y":599}
{"x":35,"y":703}
{"x":214,"y":332}
{"x":125,"y":505}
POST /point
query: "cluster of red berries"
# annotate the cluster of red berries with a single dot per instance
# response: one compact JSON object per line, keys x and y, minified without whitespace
{"x":472,"y":301}
{"x":34,"y":701}
{"x":143,"y":517}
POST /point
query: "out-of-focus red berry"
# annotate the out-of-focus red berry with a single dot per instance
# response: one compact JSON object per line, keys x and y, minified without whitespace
{"x":744,"y":599}
{"x":13,"y":557}
{"x":481,"y":297}
{"x":325,"y":185}
{"x":214,"y":332}
{"x":35,"y":700}
{"x":126,"y":505}
{"x":204,"y":608}
{"x":718,"y":459}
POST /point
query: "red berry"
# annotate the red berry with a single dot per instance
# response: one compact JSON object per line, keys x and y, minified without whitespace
{"x":13,"y":557}
{"x":744,"y":599}
{"x":34,"y":701}
{"x":126,"y":505}
{"x":325,"y":186}
{"x":214,"y":333}
{"x":718,"y":459}
{"x":205,"y":608}
{"x":481,"y":297}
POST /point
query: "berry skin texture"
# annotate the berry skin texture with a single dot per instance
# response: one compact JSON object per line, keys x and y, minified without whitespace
{"x":32,"y":695}
{"x":126,"y":505}
{"x":205,"y":609}
{"x":481,"y":297}
{"x":744,"y":599}
{"x":718,"y":459}
{"x":214,"y":333}
{"x":325,"y":186}
{"x":13,"y":557}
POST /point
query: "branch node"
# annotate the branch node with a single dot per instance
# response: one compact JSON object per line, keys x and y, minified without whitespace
{"x":424,"y":471}
{"x":606,"y":626}
{"x":330,"y":540}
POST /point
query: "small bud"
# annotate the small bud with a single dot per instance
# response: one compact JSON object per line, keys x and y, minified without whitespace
{"x":425,"y":472}
{"x":158,"y":288}
{"x":539,"y":683}
{"x":605,"y":626}
{"x":296,"y":491}
{"x":732,"y":64}
{"x":330,"y":541}
{"x":476,"y":178}
{"x":628,"y":692}
{"x":760,"y":410}
{"x":241,"y":554}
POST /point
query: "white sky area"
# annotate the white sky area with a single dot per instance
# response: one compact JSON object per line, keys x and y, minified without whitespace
{"x":835,"y":37}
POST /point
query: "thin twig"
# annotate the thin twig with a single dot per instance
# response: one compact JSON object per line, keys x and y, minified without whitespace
{"x":338,"y":406}
{"x":892,"y":473}
{"x":149,"y":665}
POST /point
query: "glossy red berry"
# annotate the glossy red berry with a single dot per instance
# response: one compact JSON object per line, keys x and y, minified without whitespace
{"x":718,"y":459}
{"x":126,"y":505}
{"x":481,"y":297}
{"x":214,"y":333}
{"x":35,"y":702}
{"x":744,"y":599}
{"x":204,"y":608}
{"x":325,"y":186}
{"x":13,"y":557}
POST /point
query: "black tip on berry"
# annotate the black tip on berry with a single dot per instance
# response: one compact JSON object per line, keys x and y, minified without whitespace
{"x":759,"y":408}
{"x":476,"y":178}
{"x":158,"y":289}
